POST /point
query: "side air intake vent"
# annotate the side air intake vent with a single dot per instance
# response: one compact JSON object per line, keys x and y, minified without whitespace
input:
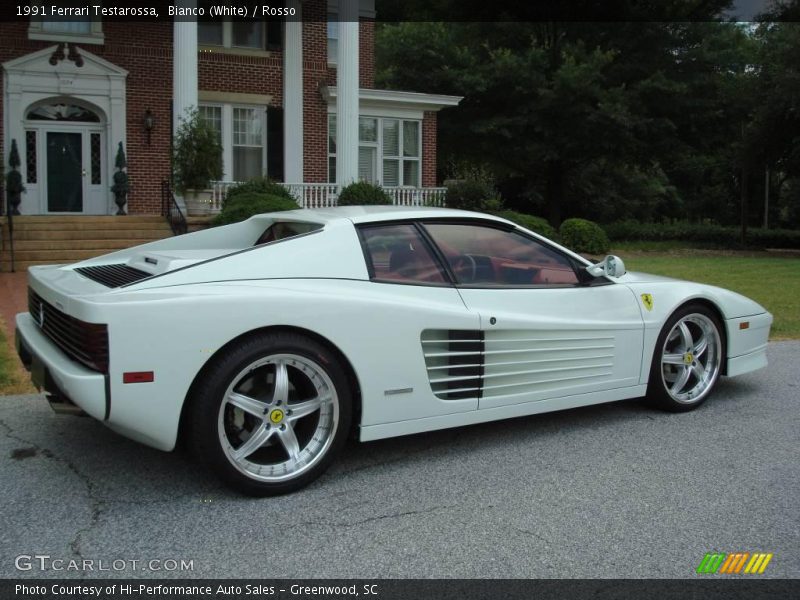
{"x":114,"y":276}
{"x":454,"y":359}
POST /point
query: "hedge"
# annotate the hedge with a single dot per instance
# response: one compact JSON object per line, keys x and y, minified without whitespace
{"x":705,"y":233}
{"x":537,"y":224}
{"x":245,"y":205}
{"x":581,"y":235}
{"x":363,"y":193}
{"x":258,"y":185}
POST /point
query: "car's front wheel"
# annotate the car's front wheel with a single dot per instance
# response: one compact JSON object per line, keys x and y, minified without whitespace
{"x":687,"y":360}
{"x":270,"y":416}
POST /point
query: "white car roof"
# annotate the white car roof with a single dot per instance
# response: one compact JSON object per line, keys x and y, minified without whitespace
{"x":370,"y":214}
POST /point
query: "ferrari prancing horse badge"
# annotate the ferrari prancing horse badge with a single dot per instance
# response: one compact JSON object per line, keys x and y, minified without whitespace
{"x":647,"y":300}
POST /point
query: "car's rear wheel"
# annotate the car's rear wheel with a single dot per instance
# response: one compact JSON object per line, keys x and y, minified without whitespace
{"x":270,"y":416}
{"x":687,"y":360}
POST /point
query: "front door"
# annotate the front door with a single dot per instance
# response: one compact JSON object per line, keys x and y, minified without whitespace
{"x":65,"y":172}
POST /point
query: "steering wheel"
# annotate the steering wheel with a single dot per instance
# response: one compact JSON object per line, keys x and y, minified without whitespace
{"x":464,"y":264}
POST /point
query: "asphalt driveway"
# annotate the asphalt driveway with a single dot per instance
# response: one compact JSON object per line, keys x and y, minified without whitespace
{"x":617,"y":490}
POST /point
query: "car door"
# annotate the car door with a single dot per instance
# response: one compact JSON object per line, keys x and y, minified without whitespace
{"x":548,"y":330}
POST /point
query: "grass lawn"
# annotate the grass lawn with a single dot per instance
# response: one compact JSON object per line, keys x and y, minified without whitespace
{"x":13,"y":378}
{"x":773,"y":282}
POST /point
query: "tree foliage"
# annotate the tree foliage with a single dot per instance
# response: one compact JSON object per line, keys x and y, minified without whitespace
{"x":653,"y":120}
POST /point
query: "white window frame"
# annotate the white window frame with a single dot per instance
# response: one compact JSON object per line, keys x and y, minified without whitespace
{"x":379,"y":149}
{"x":36,"y":31}
{"x":227,"y":134}
{"x":227,"y":39}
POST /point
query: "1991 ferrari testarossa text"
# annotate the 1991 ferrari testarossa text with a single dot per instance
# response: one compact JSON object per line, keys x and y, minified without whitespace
{"x":267,"y":342}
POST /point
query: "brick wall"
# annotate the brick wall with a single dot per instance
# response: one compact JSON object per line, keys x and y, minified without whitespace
{"x":429,"y":149}
{"x":315,"y":109}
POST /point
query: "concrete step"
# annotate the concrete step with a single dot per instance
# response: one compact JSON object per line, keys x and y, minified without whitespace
{"x":23,"y":219}
{"x":22,"y":245}
{"x":67,"y":255}
{"x":93,"y":234}
{"x":89,"y":226}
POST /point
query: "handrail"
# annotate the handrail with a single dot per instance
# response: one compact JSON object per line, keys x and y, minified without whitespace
{"x":171,"y":210}
{"x":10,"y":220}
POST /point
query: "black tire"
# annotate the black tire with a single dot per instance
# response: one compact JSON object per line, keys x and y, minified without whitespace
{"x":219,"y":427}
{"x":664,"y":389}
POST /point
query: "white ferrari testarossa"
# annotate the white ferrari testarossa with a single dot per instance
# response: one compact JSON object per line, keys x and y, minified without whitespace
{"x":265,"y":343}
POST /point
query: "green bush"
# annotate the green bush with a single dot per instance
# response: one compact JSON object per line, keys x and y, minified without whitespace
{"x":363,"y":193}
{"x":245,"y":205}
{"x":581,"y":235}
{"x":702,"y":233}
{"x":259,"y":185}
{"x":472,"y":194}
{"x":537,"y":224}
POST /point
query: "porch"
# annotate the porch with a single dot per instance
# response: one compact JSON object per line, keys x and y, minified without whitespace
{"x":323,"y":195}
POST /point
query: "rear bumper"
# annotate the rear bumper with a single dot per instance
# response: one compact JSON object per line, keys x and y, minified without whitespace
{"x":56,"y":373}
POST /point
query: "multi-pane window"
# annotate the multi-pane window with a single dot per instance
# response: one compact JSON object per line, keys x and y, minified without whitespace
{"x":333,"y":39}
{"x":251,"y":34}
{"x":389,"y":151}
{"x":242,"y":132}
{"x":67,"y":26}
{"x":30,"y":156}
{"x":96,"y":156}
{"x":248,"y":143}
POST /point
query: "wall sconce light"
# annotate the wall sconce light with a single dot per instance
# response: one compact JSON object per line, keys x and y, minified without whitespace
{"x":149,"y":123}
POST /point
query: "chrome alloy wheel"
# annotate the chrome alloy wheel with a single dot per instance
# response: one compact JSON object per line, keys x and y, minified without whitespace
{"x":691,"y":358}
{"x":278,"y":417}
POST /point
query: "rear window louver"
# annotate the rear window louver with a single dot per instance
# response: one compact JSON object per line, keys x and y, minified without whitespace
{"x":114,"y":276}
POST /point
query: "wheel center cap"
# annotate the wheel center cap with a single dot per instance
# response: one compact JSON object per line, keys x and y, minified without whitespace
{"x":276,"y":416}
{"x":688,"y":358}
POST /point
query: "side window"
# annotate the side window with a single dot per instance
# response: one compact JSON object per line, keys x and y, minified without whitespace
{"x":397,"y":253}
{"x":285,"y":229}
{"x":482,"y":255}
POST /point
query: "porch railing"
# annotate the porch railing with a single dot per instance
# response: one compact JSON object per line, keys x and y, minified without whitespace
{"x":322,"y":195}
{"x":171,"y":210}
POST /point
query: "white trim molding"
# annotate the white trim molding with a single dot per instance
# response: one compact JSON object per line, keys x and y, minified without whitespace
{"x":394,"y":103}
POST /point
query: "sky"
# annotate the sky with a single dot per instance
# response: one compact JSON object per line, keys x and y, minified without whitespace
{"x":746,"y":10}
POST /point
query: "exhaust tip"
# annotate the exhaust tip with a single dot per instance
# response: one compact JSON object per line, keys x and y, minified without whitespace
{"x":63,"y":406}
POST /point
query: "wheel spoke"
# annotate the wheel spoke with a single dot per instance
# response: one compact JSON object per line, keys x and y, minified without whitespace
{"x":258,"y":439}
{"x":672,"y":359}
{"x":686,"y":336}
{"x":700,"y":346}
{"x":289,"y":441}
{"x":699,"y":371}
{"x":303,"y":409}
{"x":248,"y":404}
{"x":281,"y":383}
{"x":681,"y":380}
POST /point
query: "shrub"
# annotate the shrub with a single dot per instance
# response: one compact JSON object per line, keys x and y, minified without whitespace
{"x":584,"y":236}
{"x":472,"y":194}
{"x":537,"y":224}
{"x":702,"y":233}
{"x":259,"y":185}
{"x":197,"y":153}
{"x":363,"y":193}
{"x":243,"y":206}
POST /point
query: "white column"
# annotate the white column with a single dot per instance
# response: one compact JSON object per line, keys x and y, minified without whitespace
{"x":184,"y":65}
{"x":347,"y":94}
{"x":293,"y":97}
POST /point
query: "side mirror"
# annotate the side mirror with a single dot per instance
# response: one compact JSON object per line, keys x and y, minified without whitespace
{"x":610,"y":266}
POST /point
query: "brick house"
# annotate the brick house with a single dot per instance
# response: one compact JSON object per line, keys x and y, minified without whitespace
{"x":294,"y":100}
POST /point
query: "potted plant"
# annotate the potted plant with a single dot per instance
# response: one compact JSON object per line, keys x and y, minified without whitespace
{"x":121,"y":185}
{"x":196,"y":161}
{"x":14,"y":187}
